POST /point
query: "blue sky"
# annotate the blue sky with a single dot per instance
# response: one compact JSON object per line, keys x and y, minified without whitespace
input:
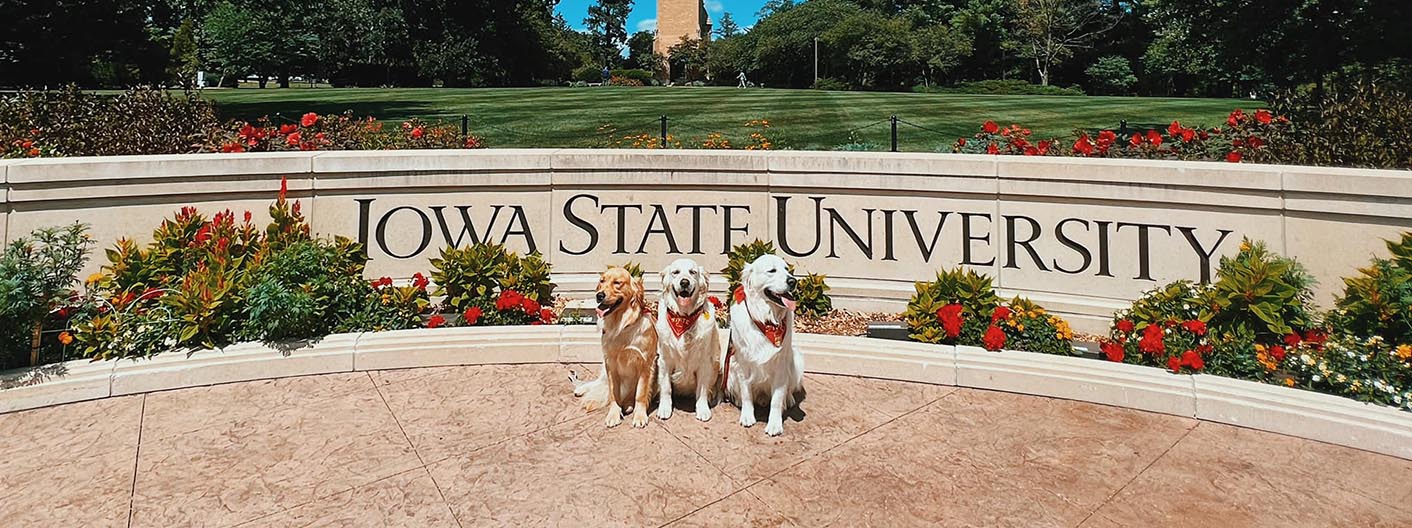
{"x":644,"y":12}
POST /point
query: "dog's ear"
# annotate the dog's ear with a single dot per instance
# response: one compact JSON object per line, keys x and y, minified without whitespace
{"x":705,"y":276}
{"x":745,"y":274}
{"x":639,"y":291}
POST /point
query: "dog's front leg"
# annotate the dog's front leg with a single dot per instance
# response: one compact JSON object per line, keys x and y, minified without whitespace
{"x":644,"y":395}
{"x":615,"y":411}
{"x":747,"y":406}
{"x":704,"y":382}
{"x":775,"y":425}
{"x":664,"y":389}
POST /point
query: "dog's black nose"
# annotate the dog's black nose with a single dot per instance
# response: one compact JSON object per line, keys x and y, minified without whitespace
{"x":685,"y":283}
{"x":601,"y":296}
{"x":791,"y":281}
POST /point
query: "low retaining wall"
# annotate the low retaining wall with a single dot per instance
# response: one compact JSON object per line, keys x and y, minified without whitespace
{"x":1266,"y":407}
{"x":1081,"y":236}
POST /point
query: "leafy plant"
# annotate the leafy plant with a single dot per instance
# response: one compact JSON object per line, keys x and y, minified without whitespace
{"x":475,"y":275}
{"x":1378,"y":301}
{"x":961,"y":307}
{"x":1260,"y":293}
{"x":810,"y":291}
{"x":36,"y":277}
{"x":299,"y":292}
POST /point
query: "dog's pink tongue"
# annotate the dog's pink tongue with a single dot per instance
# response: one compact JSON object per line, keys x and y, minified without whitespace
{"x":600,"y":312}
{"x":790,"y":303}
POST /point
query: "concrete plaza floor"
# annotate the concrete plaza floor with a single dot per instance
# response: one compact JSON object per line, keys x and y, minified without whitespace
{"x":508,"y":445}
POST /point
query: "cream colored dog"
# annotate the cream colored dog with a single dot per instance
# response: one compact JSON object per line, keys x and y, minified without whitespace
{"x":762,"y":360}
{"x":688,"y":344}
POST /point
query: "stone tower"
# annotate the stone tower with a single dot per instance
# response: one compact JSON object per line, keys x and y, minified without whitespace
{"x":680,"y":18}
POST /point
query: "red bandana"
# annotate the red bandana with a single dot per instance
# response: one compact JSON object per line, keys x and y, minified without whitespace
{"x":681,"y":323}
{"x":773,"y":332}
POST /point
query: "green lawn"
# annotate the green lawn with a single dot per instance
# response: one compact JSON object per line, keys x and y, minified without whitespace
{"x":805,"y":119}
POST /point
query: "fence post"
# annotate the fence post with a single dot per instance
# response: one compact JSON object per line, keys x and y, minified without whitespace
{"x":465,"y":126}
{"x":1123,"y":127}
{"x":894,"y":132}
{"x":664,"y":131}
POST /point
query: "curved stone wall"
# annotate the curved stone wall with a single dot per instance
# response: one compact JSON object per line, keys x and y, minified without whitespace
{"x":1081,"y":236}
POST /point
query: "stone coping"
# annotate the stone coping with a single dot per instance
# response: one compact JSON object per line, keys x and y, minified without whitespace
{"x":1254,"y":405}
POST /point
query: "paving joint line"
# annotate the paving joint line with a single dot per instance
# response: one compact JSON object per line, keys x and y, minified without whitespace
{"x":136,"y":460}
{"x":1140,"y":473}
{"x":747,"y":487}
{"x":415,"y":451}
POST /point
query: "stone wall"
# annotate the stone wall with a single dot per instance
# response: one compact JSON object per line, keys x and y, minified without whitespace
{"x":677,"y":19}
{"x":1080,"y":236}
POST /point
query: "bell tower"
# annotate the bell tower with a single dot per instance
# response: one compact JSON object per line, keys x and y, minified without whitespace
{"x":678,"y":19}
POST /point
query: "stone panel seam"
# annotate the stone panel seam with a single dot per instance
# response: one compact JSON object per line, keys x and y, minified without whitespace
{"x":136,"y":460}
{"x":1135,"y":476}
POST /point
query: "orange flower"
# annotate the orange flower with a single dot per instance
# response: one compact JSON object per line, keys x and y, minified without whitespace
{"x":66,"y":338}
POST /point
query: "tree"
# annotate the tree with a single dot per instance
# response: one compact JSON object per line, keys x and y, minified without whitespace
{"x":641,"y":54}
{"x":87,"y":42}
{"x":939,"y":49}
{"x":1111,"y":75}
{"x":774,"y":7}
{"x":688,"y":61}
{"x":873,"y":48}
{"x":183,"y":61}
{"x":1048,"y":31}
{"x":726,"y":27}
{"x":607,"y":22}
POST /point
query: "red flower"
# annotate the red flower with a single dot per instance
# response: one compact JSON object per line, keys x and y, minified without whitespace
{"x":994,"y":338}
{"x":1263,"y":116}
{"x":292,"y":139}
{"x":283,"y":187}
{"x":420,"y":281}
{"x":1192,"y":359}
{"x":203,"y":235}
{"x":1154,"y":138}
{"x":222,"y":244}
{"x":287,"y":129}
{"x":471,"y":315}
{"x":1125,"y":326}
{"x":1292,"y":339}
{"x":950,"y":318}
{"x":1277,"y":352}
{"x":1233,"y":157}
{"x":1236,"y":117}
{"x":738,"y":296}
{"x":1174,"y":129}
{"x":1106,"y":138}
{"x":1194,"y":326}
{"x":1000,"y":313}
{"x":715,"y":301}
{"x":1136,"y":140}
{"x":1151,"y":342}
{"x":418,"y":132}
{"x":310,"y":119}
{"x":1083,"y":146}
{"x":1175,"y":364}
{"x":1044,"y":146}
{"x":296,"y":207}
{"x":990,"y":127}
{"x":531,"y":306}
{"x":1254,"y":142}
{"x":509,"y":300}
{"x":247,"y":217}
{"x":435,"y":321}
{"x":546,"y":315}
{"x":1111,"y":350}
{"x":992,"y":149}
{"x":1316,"y":337}
{"x":232,"y":147}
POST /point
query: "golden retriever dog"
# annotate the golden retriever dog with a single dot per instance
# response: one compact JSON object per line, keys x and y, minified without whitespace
{"x":688,"y":344}
{"x":629,"y":350}
{"x":766,"y":364}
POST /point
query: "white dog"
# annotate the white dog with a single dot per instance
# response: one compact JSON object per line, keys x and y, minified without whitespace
{"x":688,"y":344}
{"x":762,"y":360}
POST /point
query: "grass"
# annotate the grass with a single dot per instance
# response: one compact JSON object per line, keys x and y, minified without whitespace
{"x":803,"y":119}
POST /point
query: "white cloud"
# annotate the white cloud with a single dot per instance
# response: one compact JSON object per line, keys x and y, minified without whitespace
{"x":647,"y":25}
{"x":715,"y":6}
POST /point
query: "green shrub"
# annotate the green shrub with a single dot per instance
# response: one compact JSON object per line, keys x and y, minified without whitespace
{"x":825,"y":83}
{"x":1000,"y":87}
{"x":1378,"y":301}
{"x":477,"y":274}
{"x":304,"y":290}
{"x":1261,"y":294}
{"x":1354,"y":125}
{"x":810,"y":291}
{"x":961,"y":307}
{"x":1112,"y":74}
{"x":588,"y":74}
{"x":37,"y":274}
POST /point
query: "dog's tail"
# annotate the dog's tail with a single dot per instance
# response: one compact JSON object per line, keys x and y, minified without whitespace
{"x":594,"y":392}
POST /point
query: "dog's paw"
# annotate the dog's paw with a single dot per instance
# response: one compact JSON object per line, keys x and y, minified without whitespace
{"x":614,"y":418}
{"x":747,"y":419}
{"x":703,"y":413}
{"x":664,"y":411}
{"x":592,"y":405}
{"x":639,"y":418}
{"x":774,"y":428}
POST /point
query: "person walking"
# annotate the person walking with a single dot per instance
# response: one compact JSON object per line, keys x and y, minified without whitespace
{"x":607,"y":75}
{"x":742,"y":80}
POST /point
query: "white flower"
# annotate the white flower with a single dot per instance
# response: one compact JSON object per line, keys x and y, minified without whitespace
{"x":1317,"y":378}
